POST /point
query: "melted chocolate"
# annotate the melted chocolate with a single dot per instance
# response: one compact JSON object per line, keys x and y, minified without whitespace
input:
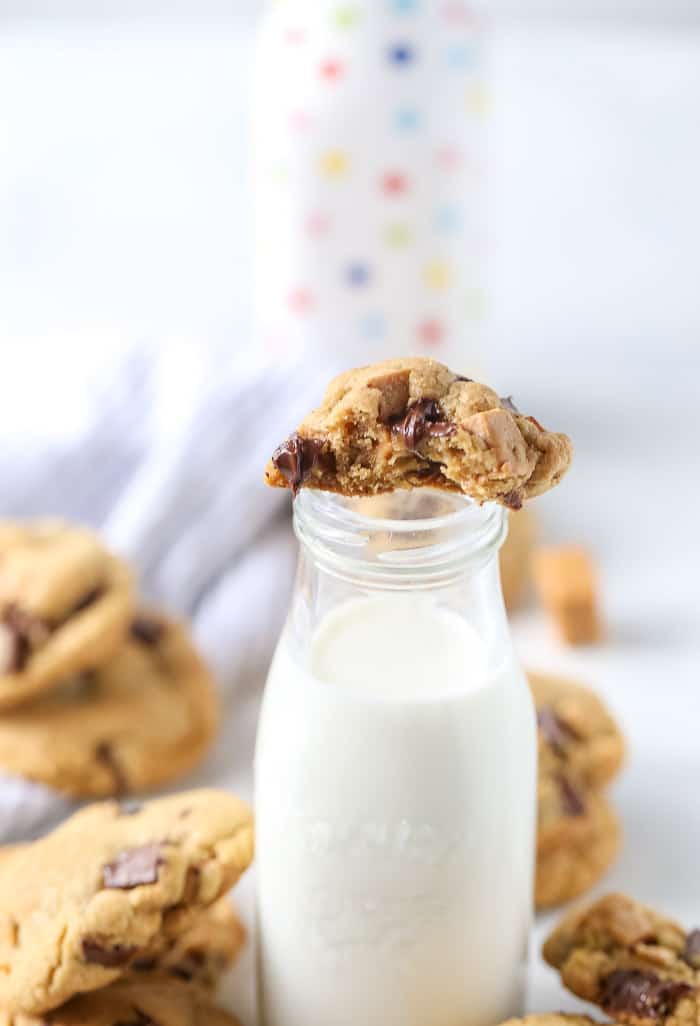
{"x":641,"y":994}
{"x":296,"y":458}
{"x":424,"y":419}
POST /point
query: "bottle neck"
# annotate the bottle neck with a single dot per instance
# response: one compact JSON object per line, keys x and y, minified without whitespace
{"x":403,"y":541}
{"x":437,"y":547}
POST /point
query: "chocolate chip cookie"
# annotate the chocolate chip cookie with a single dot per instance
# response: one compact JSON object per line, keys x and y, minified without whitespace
{"x":148,"y":1002}
{"x":638,"y":966}
{"x":587,"y":845}
{"x":580,"y":749}
{"x":144,"y":718}
{"x":412,"y":422}
{"x":578,"y":736}
{"x":203,"y":952}
{"x":65,"y":604}
{"x":113,"y":884}
{"x":206,"y":949}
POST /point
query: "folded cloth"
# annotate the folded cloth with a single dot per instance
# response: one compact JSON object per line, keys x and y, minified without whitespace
{"x":162,"y":446}
{"x":28,"y":810}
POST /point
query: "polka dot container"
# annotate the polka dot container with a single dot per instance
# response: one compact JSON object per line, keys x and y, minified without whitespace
{"x":369,"y":142}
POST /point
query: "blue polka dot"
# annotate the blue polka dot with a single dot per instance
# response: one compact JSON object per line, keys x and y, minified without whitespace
{"x":373,"y":325}
{"x":449,"y":220}
{"x":357,"y":274}
{"x":460,"y":57}
{"x":404,"y":6}
{"x":407,"y":119}
{"x":401,"y":54}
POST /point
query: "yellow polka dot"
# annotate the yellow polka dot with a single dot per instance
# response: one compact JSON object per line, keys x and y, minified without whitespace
{"x":398,"y":235}
{"x":477,"y":99}
{"x":334,"y":164}
{"x":438,"y":275}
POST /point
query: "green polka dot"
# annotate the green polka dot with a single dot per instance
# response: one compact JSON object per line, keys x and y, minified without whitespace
{"x":279,"y":172}
{"x":398,"y":235}
{"x":346,"y":17}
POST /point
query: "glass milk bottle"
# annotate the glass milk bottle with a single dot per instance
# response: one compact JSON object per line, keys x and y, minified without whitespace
{"x":369,"y":151}
{"x":395,"y":774}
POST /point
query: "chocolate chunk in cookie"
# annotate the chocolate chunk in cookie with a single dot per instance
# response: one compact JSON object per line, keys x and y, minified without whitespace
{"x":641,"y":995}
{"x":95,"y":952}
{"x":295,"y":460}
{"x":147,"y":629}
{"x":134,"y":867}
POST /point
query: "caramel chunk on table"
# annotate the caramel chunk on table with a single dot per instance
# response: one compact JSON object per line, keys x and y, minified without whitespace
{"x":566,"y":582}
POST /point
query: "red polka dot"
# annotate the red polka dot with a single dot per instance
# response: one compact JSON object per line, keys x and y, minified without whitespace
{"x":458,"y":13}
{"x":431,"y":332}
{"x":318,"y":224}
{"x":275,"y":343}
{"x":394,"y":183}
{"x":294,"y":36}
{"x":300,"y":120}
{"x":449,"y":158}
{"x":301,"y":301}
{"x":331,"y":69}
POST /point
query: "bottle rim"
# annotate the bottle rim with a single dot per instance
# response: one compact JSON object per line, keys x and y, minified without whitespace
{"x":406,"y":539}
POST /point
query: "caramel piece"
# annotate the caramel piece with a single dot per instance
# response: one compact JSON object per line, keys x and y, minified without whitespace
{"x":566,"y":584}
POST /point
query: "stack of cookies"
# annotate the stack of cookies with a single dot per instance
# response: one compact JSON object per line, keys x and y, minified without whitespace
{"x":119,"y":917}
{"x":581,"y":749}
{"x":97,"y":698}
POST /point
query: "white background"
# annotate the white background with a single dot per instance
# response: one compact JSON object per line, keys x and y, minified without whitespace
{"x":124,"y":215}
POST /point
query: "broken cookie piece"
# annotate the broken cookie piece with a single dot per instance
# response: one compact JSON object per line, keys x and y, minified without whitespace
{"x":409,"y":423}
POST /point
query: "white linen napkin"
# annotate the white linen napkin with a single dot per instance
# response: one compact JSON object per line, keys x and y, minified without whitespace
{"x":162,"y":446}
